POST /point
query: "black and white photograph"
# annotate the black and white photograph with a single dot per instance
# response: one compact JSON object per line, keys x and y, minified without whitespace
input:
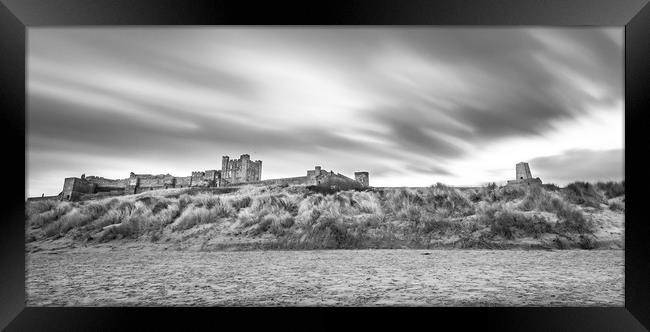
{"x":345,"y":166}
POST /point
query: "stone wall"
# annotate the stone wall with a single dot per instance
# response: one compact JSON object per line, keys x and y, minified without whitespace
{"x":325,"y":179}
{"x":103,"y":194}
{"x":317,"y":177}
{"x":42,"y":198}
{"x":183,"y":182}
{"x":527,"y":182}
{"x":328,"y":183}
{"x":362,"y":177}
{"x":104,"y":182}
{"x":156,"y":181}
{"x":209,"y":178}
{"x":332,"y":181}
{"x":298,"y":180}
{"x":73,"y":188}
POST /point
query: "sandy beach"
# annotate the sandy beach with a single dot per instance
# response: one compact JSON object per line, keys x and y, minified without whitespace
{"x":101,"y":276}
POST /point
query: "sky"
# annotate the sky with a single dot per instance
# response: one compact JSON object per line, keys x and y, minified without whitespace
{"x":412,"y":106}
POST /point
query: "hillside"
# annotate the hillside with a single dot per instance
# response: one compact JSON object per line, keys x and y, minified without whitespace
{"x":582,"y":215}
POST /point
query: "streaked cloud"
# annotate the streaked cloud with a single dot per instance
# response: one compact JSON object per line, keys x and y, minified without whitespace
{"x":581,"y":165}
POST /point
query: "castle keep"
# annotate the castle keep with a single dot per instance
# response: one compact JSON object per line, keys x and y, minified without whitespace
{"x":234,"y":172}
{"x":240,"y":170}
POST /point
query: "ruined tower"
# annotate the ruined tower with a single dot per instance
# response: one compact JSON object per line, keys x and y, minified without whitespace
{"x":523,"y":176}
{"x":362,"y":177}
{"x":523,"y":171}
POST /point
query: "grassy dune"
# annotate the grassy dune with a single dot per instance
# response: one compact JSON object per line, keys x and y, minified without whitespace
{"x":581,"y":215}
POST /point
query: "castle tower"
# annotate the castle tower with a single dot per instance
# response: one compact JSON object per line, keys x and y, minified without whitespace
{"x":245,"y":160}
{"x":523,"y":171}
{"x":259,"y":169}
{"x":362,"y":177}
{"x":224,"y":166}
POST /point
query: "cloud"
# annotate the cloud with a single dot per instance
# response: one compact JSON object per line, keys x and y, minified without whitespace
{"x":432,"y":170}
{"x":413,"y":132}
{"x":501,"y":83}
{"x":580,"y":165}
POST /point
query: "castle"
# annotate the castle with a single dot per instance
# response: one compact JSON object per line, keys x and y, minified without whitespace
{"x":234,"y":172}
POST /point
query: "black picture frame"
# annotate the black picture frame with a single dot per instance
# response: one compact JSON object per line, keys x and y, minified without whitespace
{"x":16,"y":16}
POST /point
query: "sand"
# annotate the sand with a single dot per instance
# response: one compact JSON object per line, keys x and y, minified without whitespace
{"x":146,"y":275}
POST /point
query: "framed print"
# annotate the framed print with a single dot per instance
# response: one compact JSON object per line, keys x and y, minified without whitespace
{"x":380,"y":164}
